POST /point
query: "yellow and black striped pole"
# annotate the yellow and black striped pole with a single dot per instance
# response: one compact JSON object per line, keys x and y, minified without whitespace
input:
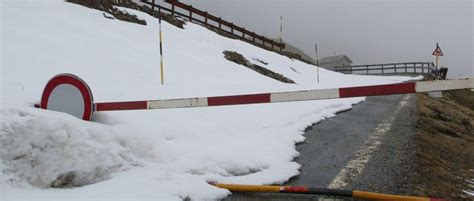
{"x":320,"y":191}
{"x":161,"y":48}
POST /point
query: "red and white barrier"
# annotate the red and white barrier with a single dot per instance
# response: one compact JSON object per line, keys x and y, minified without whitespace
{"x":319,"y":94}
{"x":68,"y":93}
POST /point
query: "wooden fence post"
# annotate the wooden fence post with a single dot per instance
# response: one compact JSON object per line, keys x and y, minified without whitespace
{"x":395,"y":67}
{"x":152,"y":6}
{"x":382,"y":69}
{"x":220,"y":25}
{"x":190,"y":13}
{"x":205,"y":18}
{"x":172,"y":10}
{"x":367,"y":67}
{"x":232,"y":28}
{"x":406,"y":71}
{"x":253,"y":35}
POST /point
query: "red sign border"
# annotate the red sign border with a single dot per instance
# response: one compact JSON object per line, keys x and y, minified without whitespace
{"x":75,"y":81}
{"x":437,"y":52}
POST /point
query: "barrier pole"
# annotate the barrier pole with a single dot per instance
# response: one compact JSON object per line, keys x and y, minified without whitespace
{"x":304,"y":95}
{"x":320,"y":191}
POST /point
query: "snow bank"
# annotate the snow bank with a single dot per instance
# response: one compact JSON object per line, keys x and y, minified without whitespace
{"x":470,"y":192}
{"x":54,"y":149}
{"x":145,"y":155}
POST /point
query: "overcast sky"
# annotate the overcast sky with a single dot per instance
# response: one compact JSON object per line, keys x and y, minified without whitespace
{"x":368,"y":31}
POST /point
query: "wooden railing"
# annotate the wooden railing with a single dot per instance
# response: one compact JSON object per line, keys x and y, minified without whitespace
{"x":390,"y":68}
{"x":218,"y":23}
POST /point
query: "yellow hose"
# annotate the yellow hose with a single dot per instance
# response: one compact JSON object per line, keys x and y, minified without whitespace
{"x":385,"y":197}
{"x":354,"y":194}
{"x":249,"y":188}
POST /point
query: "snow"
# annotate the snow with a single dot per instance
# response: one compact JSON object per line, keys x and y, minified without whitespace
{"x":145,"y":155}
{"x":88,"y":150}
{"x":470,"y":192}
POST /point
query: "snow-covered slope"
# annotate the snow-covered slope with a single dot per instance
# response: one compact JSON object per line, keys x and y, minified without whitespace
{"x":166,"y":154}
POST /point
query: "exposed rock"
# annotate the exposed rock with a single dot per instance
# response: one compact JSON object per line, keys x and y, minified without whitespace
{"x":261,"y":61}
{"x":64,"y":180}
{"x":240,"y":59}
{"x":172,"y":19}
{"x":108,"y":7}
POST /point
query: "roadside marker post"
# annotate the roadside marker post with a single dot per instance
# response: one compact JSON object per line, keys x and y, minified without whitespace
{"x":160,"y":34}
{"x":317,"y":61}
{"x":70,"y":101}
{"x":281,"y":30}
{"x":161,"y":49}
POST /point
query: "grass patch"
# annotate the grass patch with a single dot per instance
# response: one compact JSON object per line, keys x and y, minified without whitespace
{"x":445,"y":145}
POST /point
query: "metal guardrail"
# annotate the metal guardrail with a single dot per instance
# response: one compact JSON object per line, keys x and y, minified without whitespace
{"x":389,"y":68}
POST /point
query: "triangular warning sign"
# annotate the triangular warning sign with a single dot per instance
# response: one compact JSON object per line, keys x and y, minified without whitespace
{"x":437,"y":51}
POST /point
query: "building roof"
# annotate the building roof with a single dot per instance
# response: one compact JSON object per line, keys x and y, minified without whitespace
{"x":333,"y":59}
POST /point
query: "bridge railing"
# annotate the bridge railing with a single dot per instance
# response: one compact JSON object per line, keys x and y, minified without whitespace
{"x":389,"y":68}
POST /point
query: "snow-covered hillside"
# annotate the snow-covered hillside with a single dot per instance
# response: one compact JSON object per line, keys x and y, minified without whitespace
{"x":145,"y":155}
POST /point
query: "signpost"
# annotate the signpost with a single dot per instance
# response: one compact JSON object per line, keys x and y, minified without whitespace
{"x":438,"y":53}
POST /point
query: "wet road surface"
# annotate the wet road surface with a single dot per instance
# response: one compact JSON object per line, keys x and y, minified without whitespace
{"x":367,"y":148}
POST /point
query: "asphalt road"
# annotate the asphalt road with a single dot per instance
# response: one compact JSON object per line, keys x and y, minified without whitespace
{"x":367,"y":148}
